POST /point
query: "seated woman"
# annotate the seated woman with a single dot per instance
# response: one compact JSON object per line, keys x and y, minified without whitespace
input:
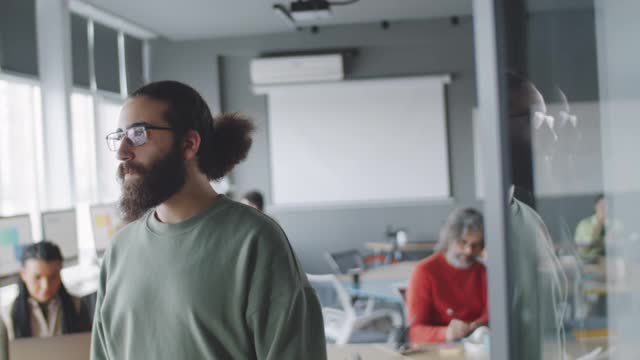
{"x":43,"y":306}
{"x":447,"y":293}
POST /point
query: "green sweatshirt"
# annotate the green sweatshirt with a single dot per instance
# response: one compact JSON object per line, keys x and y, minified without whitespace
{"x":4,"y":342}
{"x":224,"y":284}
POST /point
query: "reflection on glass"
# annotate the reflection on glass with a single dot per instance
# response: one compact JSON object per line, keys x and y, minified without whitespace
{"x":574,"y":133}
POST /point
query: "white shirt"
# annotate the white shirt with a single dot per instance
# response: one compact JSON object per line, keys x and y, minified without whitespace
{"x":40,"y":326}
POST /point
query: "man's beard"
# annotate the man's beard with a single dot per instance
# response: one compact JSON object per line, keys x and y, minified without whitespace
{"x":153,"y":186}
{"x":456,"y":261}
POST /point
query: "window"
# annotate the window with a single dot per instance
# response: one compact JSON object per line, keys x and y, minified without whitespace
{"x":18,"y":44}
{"x":83,"y":137}
{"x":134,"y":62}
{"x":106,"y":58}
{"x":84,"y":160}
{"x":93,"y":116}
{"x":80,"y":51}
{"x":21,"y":152}
{"x":107,"y":121}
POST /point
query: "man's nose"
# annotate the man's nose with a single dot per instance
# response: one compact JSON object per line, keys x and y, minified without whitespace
{"x":125,"y":150}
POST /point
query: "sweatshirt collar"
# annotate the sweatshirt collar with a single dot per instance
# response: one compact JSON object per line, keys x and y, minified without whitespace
{"x":159,"y":228}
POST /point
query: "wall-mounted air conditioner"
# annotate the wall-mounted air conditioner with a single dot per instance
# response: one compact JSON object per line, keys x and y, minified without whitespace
{"x":297,"y":69}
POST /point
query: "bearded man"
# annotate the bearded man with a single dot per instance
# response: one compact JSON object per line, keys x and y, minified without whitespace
{"x":195,"y":275}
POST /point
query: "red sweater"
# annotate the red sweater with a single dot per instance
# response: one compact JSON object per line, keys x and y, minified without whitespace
{"x":439,"y":293}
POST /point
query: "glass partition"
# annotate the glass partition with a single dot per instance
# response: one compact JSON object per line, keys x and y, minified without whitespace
{"x":571,"y":95}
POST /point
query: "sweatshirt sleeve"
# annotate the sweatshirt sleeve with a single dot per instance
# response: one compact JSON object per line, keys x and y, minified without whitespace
{"x":419,"y":305}
{"x":98,"y":348}
{"x":4,"y":341}
{"x":289,"y":328}
{"x":283,"y":313}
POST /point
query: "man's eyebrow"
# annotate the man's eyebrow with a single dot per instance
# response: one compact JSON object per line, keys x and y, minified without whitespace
{"x":139,"y":123}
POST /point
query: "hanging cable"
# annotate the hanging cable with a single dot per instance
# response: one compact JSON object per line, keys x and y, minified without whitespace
{"x":339,"y":3}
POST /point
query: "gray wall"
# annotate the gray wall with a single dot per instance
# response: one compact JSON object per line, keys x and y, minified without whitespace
{"x":618,"y":29}
{"x":562,"y":52}
{"x":193,"y":64}
{"x":408,"y":48}
{"x":220,"y":70}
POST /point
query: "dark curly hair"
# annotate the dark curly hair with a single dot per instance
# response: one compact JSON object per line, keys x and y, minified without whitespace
{"x":225,"y":139}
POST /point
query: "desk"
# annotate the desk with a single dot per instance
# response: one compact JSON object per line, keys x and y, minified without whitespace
{"x":431,"y":352}
{"x":385,"y":246}
{"x":380,"y":282}
{"x":400,"y":271}
{"x":385,"y":352}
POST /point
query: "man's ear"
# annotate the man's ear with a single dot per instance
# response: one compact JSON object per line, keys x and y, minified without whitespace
{"x":191,"y":144}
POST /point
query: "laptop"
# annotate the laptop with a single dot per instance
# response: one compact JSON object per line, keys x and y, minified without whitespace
{"x":65,"y":347}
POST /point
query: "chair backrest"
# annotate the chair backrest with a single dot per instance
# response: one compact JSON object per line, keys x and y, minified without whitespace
{"x":337,"y":312}
{"x":331,"y":293}
{"x":344,"y":262}
{"x":402,"y":291}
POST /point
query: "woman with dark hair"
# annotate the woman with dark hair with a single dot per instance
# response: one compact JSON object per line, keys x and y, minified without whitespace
{"x":43,"y":306}
{"x":447,"y":293}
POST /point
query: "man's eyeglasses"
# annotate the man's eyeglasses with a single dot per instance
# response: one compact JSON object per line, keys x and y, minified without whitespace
{"x":533,"y":120}
{"x":566,"y":116}
{"x":137,"y":135}
{"x":473,"y":246}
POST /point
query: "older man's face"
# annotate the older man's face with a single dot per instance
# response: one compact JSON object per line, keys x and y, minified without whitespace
{"x":464,"y":251}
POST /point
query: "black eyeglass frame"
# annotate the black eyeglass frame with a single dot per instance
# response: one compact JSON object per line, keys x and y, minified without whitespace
{"x":121,"y":134}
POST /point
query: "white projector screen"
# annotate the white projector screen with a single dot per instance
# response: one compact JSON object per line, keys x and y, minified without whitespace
{"x":359,"y":141}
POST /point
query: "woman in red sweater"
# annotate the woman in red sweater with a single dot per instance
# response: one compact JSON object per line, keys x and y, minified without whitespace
{"x":447,"y":294}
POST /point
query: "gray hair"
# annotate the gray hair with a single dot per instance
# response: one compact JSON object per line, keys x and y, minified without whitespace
{"x":458,"y":223}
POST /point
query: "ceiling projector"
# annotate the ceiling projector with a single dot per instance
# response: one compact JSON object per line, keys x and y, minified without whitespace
{"x":305,"y":11}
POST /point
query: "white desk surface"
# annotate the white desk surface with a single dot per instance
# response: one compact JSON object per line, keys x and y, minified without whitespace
{"x":81,"y":280}
{"x":385,"y":352}
{"x":382,"y":282}
{"x":400,"y":271}
{"x":433,"y":352}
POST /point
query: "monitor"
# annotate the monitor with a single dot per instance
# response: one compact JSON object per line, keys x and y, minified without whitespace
{"x":105,"y":222}
{"x":61,"y":228}
{"x":15,"y":232}
{"x":67,"y":347}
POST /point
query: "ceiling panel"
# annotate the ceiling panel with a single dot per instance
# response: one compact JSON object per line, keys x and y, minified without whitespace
{"x":194,"y":19}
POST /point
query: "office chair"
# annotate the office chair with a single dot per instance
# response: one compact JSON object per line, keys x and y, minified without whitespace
{"x":344,"y":323}
{"x":345,"y":262}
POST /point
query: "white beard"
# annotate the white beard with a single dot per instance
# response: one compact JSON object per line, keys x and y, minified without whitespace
{"x":456,"y":262}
